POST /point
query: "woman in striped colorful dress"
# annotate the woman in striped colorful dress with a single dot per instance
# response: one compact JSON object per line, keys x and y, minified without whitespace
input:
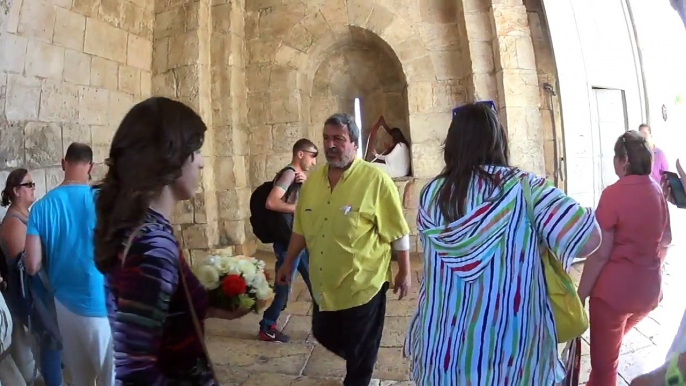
{"x":483,"y":315}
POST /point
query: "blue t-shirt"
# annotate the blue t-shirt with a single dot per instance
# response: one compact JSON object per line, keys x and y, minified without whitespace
{"x":65,"y":222}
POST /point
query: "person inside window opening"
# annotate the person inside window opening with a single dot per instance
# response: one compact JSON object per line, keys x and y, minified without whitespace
{"x":395,"y":160}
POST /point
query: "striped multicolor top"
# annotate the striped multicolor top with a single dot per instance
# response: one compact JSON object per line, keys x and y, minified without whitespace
{"x":155,"y":342}
{"x":483,"y":316}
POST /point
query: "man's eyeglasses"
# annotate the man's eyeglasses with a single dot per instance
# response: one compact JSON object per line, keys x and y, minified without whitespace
{"x":30,"y":185}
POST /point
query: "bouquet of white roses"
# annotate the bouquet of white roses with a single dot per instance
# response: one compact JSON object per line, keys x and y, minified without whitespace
{"x":235,"y":282}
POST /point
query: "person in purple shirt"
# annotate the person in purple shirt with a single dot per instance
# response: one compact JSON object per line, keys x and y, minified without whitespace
{"x":659,"y":159}
{"x":154,"y":162}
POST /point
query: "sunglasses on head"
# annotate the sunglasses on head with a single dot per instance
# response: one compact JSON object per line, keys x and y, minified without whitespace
{"x":28,"y":184}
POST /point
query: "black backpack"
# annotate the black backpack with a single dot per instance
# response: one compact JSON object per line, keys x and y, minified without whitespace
{"x":270,"y":226}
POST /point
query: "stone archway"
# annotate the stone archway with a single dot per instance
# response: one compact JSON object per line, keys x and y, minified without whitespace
{"x":362,"y":67}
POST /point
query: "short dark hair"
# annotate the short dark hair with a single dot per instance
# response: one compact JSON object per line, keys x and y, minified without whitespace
{"x":79,"y":153}
{"x":303,"y":144}
{"x":647,"y":126}
{"x":343,"y":119}
{"x":14,"y":179}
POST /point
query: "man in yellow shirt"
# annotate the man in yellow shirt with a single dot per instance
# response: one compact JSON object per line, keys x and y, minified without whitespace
{"x":349,"y":217}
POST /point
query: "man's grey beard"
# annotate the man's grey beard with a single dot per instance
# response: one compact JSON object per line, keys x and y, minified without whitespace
{"x":343,"y":163}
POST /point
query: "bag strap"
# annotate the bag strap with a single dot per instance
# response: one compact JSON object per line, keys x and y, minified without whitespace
{"x":191,"y":308}
{"x":196,"y":322}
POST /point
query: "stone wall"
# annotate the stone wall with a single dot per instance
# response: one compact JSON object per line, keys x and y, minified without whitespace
{"x":69,"y":71}
{"x":262,"y":73}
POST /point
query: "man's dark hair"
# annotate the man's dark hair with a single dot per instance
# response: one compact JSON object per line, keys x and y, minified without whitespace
{"x":304,"y":144}
{"x":79,"y":153}
{"x":343,"y":119}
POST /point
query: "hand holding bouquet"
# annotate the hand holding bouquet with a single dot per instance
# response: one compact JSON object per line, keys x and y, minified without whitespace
{"x":235,"y":283}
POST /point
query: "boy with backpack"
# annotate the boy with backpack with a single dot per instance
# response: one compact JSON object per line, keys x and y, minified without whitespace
{"x":272,"y":206}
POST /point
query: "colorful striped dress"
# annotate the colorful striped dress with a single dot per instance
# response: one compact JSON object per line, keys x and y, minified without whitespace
{"x":483,"y":316}
{"x":155,"y":342}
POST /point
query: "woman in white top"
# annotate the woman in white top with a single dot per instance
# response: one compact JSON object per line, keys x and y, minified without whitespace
{"x":396,"y":159}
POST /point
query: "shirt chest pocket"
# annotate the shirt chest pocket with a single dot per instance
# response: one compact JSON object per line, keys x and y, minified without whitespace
{"x":351,"y":225}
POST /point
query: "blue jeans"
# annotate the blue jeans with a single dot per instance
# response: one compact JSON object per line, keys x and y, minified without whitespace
{"x":281,"y":292}
{"x":51,"y":366}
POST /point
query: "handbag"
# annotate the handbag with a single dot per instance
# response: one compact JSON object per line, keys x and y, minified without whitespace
{"x":568,"y":312}
{"x":202,"y":366}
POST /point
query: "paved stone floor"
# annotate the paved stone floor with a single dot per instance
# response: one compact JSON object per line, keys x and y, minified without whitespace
{"x":243,"y":360}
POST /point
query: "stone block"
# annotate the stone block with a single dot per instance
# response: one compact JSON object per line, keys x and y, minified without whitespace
{"x":160,"y":51}
{"x":104,"y":73}
{"x":44,"y":60}
{"x":447,"y":64}
{"x":105,"y":41}
{"x":77,"y":67}
{"x":284,"y":108}
{"x":164,"y":84}
{"x":478,"y":26}
{"x":23,"y":97}
{"x":101,"y":138}
{"x":421,"y":69}
{"x":290,"y":57}
{"x":258,"y":78}
{"x":516,"y":52}
{"x":511,"y":20}
{"x":440,"y":36}
{"x":261,"y":50}
{"x":134,"y":18}
{"x":39,"y":142}
{"x":279,"y":20}
{"x":184,"y":50}
{"x":93,"y":105}
{"x":299,"y":38}
{"x":39,"y":178}
{"x":129,"y":79}
{"x":183,"y":212}
{"x":519,"y":88}
{"x":261,"y":140}
{"x":146,"y":85}
{"x":258,"y":108}
{"x":431,"y":127}
{"x":410,"y":49}
{"x":3,"y":95}
{"x":257,"y":170}
{"x":231,"y":232}
{"x":234,"y":204}
{"x":70,"y":29}
{"x":224,"y":171}
{"x":412,"y":192}
{"x":448,"y":94}
{"x":37,"y":20}
{"x":221,"y":18}
{"x":275,"y":163}
{"x":315,"y":24}
{"x":59,"y":102}
{"x":139,"y":53}
{"x":86,"y":7}
{"x":286,"y":135}
{"x":485,"y":87}
{"x":398,"y":31}
{"x":120,"y":104}
{"x":200,"y":236}
{"x":427,"y":159}
{"x":74,"y":132}
{"x":12,"y":144}
{"x":110,"y":11}
{"x":420,"y":97}
{"x":438,"y":12}
{"x":53,"y":178}
{"x":482,"y":56}
{"x":17,"y":46}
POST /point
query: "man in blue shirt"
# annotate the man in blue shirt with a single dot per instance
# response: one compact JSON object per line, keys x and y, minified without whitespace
{"x":60,"y":241}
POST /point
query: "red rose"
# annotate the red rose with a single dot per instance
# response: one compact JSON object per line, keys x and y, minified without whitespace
{"x":233,"y":285}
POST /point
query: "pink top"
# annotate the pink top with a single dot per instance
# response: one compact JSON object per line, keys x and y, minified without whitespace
{"x":636,"y":210}
{"x":659,"y":164}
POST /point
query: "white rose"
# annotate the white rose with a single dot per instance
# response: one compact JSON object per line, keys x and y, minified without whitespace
{"x":222,"y":263}
{"x":263,"y":292}
{"x":246,"y":267}
{"x":208,"y":276}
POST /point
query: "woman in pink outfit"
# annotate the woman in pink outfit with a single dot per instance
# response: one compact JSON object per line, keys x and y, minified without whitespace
{"x":623,"y":277}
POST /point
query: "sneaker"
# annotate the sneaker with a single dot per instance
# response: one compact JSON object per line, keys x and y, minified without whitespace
{"x":273,"y":335}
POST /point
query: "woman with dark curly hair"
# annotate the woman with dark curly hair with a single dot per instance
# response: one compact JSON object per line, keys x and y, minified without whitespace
{"x":154,"y":162}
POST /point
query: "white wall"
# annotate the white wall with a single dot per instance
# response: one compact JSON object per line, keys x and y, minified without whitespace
{"x":593,"y":43}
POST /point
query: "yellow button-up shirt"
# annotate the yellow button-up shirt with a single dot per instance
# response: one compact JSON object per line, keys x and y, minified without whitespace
{"x":348,"y":232}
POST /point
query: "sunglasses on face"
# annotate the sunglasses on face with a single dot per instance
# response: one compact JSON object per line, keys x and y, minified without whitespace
{"x":29,"y":185}
{"x":314,"y":153}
